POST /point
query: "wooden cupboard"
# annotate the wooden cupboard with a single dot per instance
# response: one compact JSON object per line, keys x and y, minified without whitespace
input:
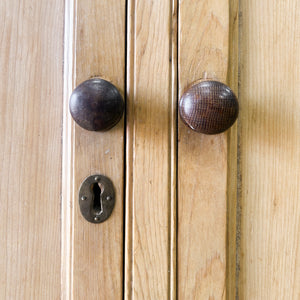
{"x":196,"y":216}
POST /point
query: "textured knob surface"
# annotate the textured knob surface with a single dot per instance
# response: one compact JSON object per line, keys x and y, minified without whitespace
{"x":209,"y":107}
{"x":96,"y":105}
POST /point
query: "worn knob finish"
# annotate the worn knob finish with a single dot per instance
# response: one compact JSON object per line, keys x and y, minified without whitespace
{"x":209,"y":107}
{"x":96,"y":105}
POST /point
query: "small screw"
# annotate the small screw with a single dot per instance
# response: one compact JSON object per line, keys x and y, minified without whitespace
{"x":83,"y":198}
{"x":108,"y":198}
{"x":96,"y":218}
{"x":97,"y":178}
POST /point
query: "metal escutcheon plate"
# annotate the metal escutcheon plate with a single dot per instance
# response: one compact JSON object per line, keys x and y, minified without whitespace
{"x":96,"y":198}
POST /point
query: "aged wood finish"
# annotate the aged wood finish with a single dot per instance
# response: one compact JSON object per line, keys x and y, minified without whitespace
{"x":232,"y":234}
{"x":96,"y":105}
{"x":30,"y":154}
{"x":93,"y":253}
{"x":269,"y":142}
{"x":151,"y":128}
{"x":208,"y":107}
{"x":49,"y":251}
{"x":202,"y":160}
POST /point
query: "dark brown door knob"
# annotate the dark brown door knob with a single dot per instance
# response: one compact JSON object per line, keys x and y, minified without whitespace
{"x":96,"y":105}
{"x":208,"y":107}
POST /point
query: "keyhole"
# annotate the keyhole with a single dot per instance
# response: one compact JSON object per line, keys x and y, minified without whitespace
{"x":97,"y":205}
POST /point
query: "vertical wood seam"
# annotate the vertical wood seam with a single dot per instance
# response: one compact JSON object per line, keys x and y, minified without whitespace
{"x":239,"y":174}
{"x":231,"y":227}
{"x":130,"y":63}
{"x":67,"y":213}
{"x":174,"y":144}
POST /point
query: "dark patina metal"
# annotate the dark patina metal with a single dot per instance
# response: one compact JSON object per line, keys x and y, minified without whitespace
{"x":92,"y":211}
{"x":209,"y":107}
{"x":96,"y":105}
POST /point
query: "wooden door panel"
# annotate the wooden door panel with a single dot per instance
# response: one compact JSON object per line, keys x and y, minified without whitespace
{"x":31,"y":79}
{"x":93,"y":253}
{"x":232,"y":213}
{"x":269,"y":142}
{"x":203,"y":46}
{"x":150,"y":157}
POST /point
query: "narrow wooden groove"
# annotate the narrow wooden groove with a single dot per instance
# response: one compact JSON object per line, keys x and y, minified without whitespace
{"x":128,"y":254}
{"x":238,"y":216}
{"x":238,"y":166}
{"x":125,"y":148}
{"x":173,"y":155}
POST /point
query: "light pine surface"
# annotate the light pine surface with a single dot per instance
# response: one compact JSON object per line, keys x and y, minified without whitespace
{"x":232,"y":212}
{"x":31,"y":57}
{"x":92,"y":264}
{"x":48,"y":251}
{"x":150,"y":175}
{"x":269,"y":143}
{"x":203,"y":33}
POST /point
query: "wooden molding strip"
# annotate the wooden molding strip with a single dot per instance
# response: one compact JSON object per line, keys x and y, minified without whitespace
{"x":150,"y":243}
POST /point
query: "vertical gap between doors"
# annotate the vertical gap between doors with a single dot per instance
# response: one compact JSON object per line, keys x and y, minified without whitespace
{"x":174,"y":150}
{"x":125,"y":144}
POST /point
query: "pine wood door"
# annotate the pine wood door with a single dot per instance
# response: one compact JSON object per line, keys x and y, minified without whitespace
{"x":196,"y":216}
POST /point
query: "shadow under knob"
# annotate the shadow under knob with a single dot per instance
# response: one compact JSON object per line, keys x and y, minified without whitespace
{"x":209,"y":107}
{"x":96,"y":105}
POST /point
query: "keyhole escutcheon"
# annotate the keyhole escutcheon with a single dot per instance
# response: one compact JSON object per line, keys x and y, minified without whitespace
{"x":96,"y":198}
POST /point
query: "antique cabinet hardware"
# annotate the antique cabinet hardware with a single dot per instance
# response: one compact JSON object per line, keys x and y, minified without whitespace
{"x":96,"y":198}
{"x":96,"y":105}
{"x":208,"y":107}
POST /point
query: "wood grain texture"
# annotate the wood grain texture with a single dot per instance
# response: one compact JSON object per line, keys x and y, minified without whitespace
{"x":31,"y":56}
{"x":232,"y":235}
{"x":202,"y":160}
{"x":151,"y":128}
{"x":93,"y":253}
{"x":269,"y":149}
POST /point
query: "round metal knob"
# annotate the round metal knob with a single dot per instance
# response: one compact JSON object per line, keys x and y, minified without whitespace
{"x":96,"y":105}
{"x":209,"y":107}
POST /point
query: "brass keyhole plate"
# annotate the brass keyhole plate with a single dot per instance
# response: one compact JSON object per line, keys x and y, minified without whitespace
{"x":96,"y":207}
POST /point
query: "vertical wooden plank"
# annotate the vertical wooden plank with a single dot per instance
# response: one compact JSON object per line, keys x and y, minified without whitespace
{"x":203,"y":34}
{"x":31,"y":56}
{"x":96,"y":48}
{"x":232,"y":234}
{"x":151,"y":152}
{"x":270,"y":149}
